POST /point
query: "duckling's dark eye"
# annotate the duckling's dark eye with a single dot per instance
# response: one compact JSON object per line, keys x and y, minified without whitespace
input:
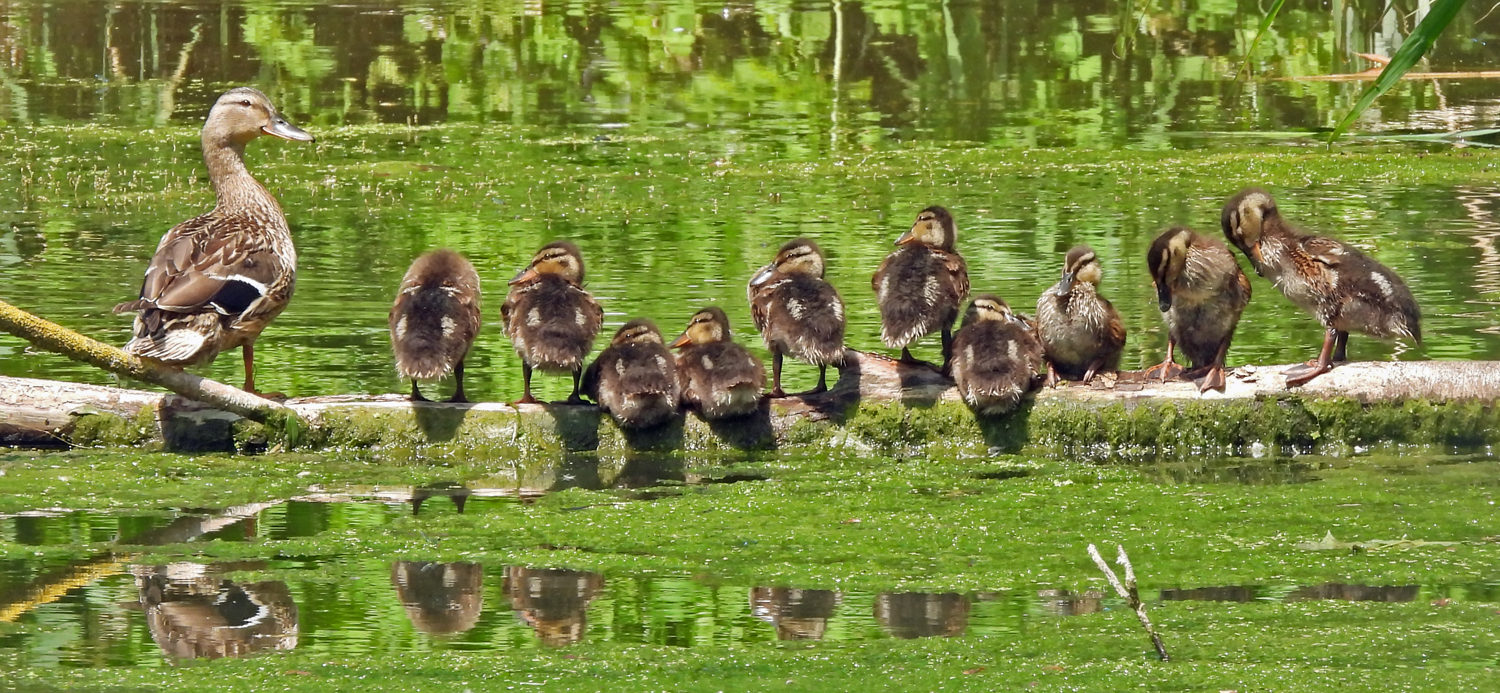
{"x":245,"y":103}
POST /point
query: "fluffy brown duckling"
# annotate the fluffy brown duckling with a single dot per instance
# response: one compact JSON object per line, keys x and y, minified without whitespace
{"x":1342,"y":287}
{"x":217,"y":280}
{"x":1080,"y":330}
{"x":921,"y":285}
{"x":435,"y":319}
{"x":797,"y":312}
{"x":550,"y":318}
{"x":635,"y":377}
{"x":995,"y":357}
{"x":718,"y":378}
{"x":1201,"y":293}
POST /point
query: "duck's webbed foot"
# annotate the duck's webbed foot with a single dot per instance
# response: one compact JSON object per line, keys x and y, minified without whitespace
{"x":1164,"y":371}
{"x":1301,"y":375}
{"x":525,"y":399}
{"x":1052,"y":379}
{"x":416,"y":394}
{"x":1213,"y":378}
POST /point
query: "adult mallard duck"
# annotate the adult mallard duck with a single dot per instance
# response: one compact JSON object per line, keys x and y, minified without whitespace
{"x":635,"y":377}
{"x":217,"y":280}
{"x":921,"y":285}
{"x":718,"y":378}
{"x":550,"y":318}
{"x":435,"y":319}
{"x":797,"y":312}
{"x":995,"y":357}
{"x":1080,"y":330}
{"x":1201,"y":293}
{"x":1345,"y":289}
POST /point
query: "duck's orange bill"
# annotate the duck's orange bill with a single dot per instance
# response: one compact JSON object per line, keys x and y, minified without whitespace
{"x":526,"y":275}
{"x":680,"y":342}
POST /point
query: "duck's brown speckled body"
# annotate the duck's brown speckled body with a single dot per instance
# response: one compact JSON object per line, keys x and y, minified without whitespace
{"x":635,"y":377}
{"x":718,"y":378}
{"x":435,"y":318}
{"x":1201,"y":293}
{"x":1343,"y":288}
{"x":797,"y":312}
{"x":921,"y":285}
{"x":995,"y":357}
{"x":550,"y":319}
{"x":217,"y":280}
{"x":1081,"y":332}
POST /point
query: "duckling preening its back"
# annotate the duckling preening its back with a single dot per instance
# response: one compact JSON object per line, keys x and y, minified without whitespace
{"x":550,"y":319}
{"x":1201,"y":293}
{"x":635,"y":377}
{"x":1080,"y":330}
{"x":921,"y":285}
{"x":1346,"y":290}
{"x":995,"y":357}
{"x":217,"y":280}
{"x":718,"y":377}
{"x":435,"y":319}
{"x":797,"y":312}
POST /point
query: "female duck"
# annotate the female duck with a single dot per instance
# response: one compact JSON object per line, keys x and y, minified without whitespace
{"x":797,"y":312}
{"x":921,"y":285}
{"x":1080,"y":330}
{"x":719,"y":378}
{"x":1345,"y":289}
{"x":1201,"y":293}
{"x":435,"y":319}
{"x":634,"y":378}
{"x":995,"y":357}
{"x":549,"y":317}
{"x":219,"y":279}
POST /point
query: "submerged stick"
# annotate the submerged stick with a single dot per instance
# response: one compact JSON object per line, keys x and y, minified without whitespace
{"x":1129,"y":593}
{"x":61,"y":340}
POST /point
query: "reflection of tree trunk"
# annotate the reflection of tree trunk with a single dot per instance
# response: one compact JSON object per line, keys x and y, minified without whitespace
{"x":838,"y":71}
{"x":1486,"y":234}
{"x":169,"y":92}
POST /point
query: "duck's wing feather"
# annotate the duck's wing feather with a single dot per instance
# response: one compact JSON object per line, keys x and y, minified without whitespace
{"x":959,"y":270}
{"x":1325,"y":250}
{"x":207,"y":265}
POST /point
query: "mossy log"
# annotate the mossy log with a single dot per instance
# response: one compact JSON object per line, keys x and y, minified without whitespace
{"x":877,"y":405}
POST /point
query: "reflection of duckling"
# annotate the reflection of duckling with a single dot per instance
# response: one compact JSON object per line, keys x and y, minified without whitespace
{"x":920,"y":286}
{"x":217,"y":280}
{"x":440,"y":598}
{"x":1080,"y":330}
{"x":995,"y":357}
{"x":719,"y":378}
{"x":635,"y":378}
{"x":921,"y":615}
{"x":550,"y":318}
{"x":1345,"y":289}
{"x":435,"y":319}
{"x":554,"y":602}
{"x":1201,"y":292}
{"x":797,"y":614}
{"x":797,"y":312}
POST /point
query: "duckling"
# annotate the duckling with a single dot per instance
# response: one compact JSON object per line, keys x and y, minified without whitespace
{"x":435,"y":319}
{"x":550,"y":319}
{"x":797,"y":312}
{"x":718,"y":378}
{"x":921,"y":285}
{"x":217,"y":280}
{"x":1341,"y":286}
{"x":1201,"y":293}
{"x":635,"y":378}
{"x":1080,"y":330}
{"x":995,"y":357}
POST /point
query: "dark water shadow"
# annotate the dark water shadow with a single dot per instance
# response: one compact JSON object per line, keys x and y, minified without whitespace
{"x":645,"y":470}
{"x":576,"y":425}
{"x":1008,"y":433}
{"x":440,"y":421}
{"x":577,"y":470}
{"x":749,"y":432}
{"x":666,"y":436}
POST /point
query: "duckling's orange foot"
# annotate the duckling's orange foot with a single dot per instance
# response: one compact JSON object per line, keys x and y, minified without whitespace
{"x":1301,"y":375}
{"x":1213,"y":379}
{"x":1164,"y":371}
{"x":778,"y":393}
{"x":528,"y":399}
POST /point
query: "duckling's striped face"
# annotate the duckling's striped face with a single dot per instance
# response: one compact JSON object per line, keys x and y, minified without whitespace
{"x":637,"y":332}
{"x":990,"y":308}
{"x":560,"y":259}
{"x":1081,"y":265}
{"x":706,"y":327}
{"x":1245,"y":218}
{"x":801,"y":258}
{"x":934,"y":228}
{"x":243,"y":114}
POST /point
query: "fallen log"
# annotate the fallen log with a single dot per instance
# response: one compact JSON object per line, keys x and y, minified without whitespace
{"x":877,"y":404}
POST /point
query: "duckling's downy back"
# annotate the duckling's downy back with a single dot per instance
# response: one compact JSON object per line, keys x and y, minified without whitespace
{"x":436,"y":315}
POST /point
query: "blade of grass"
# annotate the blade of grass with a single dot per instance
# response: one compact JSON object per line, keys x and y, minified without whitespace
{"x":1264,"y":25}
{"x":1411,"y":50}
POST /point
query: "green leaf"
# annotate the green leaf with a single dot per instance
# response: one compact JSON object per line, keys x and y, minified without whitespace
{"x":1264,"y":25}
{"x":1411,"y":50}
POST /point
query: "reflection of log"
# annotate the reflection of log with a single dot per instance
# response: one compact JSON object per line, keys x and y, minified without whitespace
{"x":875,"y":403}
{"x":53,"y":586}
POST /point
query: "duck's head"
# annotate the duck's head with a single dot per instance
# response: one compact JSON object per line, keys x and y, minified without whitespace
{"x":1081,"y":265}
{"x":243,"y":114}
{"x":556,"y":259}
{"x":637,"y":331}
{"x":705,"y":327}
{"x":934,"y":227}
{"x":798,"y":256}
{"x":1166,"y":259}
{"x":1245,"y":218}
{"x":988,"y":307}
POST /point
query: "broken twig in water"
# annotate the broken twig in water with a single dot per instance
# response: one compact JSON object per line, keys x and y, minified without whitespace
{"x":1128,"y":592}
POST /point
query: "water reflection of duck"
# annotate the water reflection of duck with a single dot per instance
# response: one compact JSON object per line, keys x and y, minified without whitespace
{"x":995,"y":357}
{"x":797,"y":614}
{"x":193,"y":613}
{"x":1065,"y":603}
{"x":920,"y":615}
{"x":440,"y":597}
{"x":217,"y":280}
{"x":719,"y":378}
{"x":635,"y":377}
{"x":550,"y":318}
{"x":1343,"y":288}
{"x":435,"y":319}
{"x":797,"y":312}
{"x":921,"y":285}
{"x":1201,"y":293}
{"x":1080,"y":330}
{"x":554,"y":602}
